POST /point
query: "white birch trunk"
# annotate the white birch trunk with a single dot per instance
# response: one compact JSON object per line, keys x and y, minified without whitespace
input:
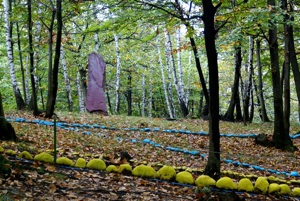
{"x":117,"y":74}
{"x":80,"y":94}
{"x":180,"y":72}
{"x":150,"y":92}
{"x":164,"y":81}
{"x":169,"y":63}
{"x":187,"y":95}
{"x":10,"y":58}
{"x":96,"y":38}
{"x":36,"y":41}
{"x":27,"y":77}
{"x":67,"y":80}
{"x":143,"y":93}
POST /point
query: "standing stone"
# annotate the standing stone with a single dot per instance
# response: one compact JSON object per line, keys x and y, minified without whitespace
{"x":95,"y":100}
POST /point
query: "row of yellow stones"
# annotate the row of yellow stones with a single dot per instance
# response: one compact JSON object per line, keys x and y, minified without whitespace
{"x":262,"y":184}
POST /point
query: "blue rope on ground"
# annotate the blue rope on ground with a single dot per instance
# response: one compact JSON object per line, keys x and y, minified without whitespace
{"x":78,"y":127}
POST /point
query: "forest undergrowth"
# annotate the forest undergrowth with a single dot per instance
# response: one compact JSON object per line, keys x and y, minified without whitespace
{"x":29,"y":180}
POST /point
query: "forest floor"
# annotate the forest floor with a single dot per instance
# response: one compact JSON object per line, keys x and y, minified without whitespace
{"x":31,"y":180}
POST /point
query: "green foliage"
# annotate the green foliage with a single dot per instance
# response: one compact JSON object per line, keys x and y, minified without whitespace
{"x":111,"y":168}
{"x":96,"y":164}
{"x":10,"y":152}
{"x":284,"y":189}
{"x":226,"y":183}
{"x":64,"y":161}
{"x":261,"y":185}
{"x":296,"y":192}
{"x":166,"y":173}
{"x":144,"y":171}
{"x":25,"y":155}
{"x":44,"y":157}
{"x":80,"y":163}
{"x":274,"y":188}
{"x":205,"y":181}
{"x":245,"y":185}
{"x":185,"y":178}
{"x":1,"y":150}
{"x":125,"y":168}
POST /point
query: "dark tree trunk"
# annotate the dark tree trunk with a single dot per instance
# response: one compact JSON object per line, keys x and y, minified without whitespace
{"x":281,"y":138}
{"x":199,"y":69}
{"x":263,"y":111}
{"x":129,"y":94}
{"x":248,"y":84}
{"x":213,"y":164}
{"x":229,"y":115}
{"x":51,"y":99}
{"x":21,"y":63}
{"x":7,"y":132}
{"x":294,"y":62}
{"x":31,"y":61}
{"x":286,"y":75}
{"x":108,"y":102}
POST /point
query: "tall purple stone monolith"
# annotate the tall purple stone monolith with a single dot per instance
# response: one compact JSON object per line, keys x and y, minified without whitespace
{"x":95,"y":99}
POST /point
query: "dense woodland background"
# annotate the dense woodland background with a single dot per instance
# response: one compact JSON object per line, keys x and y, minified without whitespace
{"x":142,"y":43}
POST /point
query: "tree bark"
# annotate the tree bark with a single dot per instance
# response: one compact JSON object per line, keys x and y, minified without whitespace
{"x":213,"y":164}
{"x":281,"y":138}
{"x":229,"y":115}
{"x":171,"y":63}
{"x":67,"y":80}
{"x":117,"y":105}
{"x":8,"y":30}
{"x":294,"y":61}
{"x":31,"y":62}
{"x":170,"y":112}
{"x":248,"y":84}
{"x":7,"y":132}
{"x":262,"y":105}
{"x":53,"y":85}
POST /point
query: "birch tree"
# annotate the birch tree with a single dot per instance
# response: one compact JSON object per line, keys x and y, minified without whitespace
{"x":117,"y":105}
{"x":67,"y":79}
{"x":143,"y":92}
{"x":171,"y":65}
{"x":8,"y":27}
{"x":169,"y":107}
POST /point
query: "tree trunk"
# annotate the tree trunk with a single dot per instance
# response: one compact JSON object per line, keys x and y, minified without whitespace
{"x":143,"y":93}
{"x":198,"y":65}
{"x":170,"y":112}
{"x":248,"y":84}
{"x":7,"y":132}
{"x":117,"y":105}
{"x":53,"y":85}
{"x":31,"y":62}
{"x":229,"y":115}
{"x":8,"y":30}
{"x":281,"y":138}
{"x":67,"y":80}
{"x":21,"y":64}
{"x":213,"y":164}
{"x":129,"y":94}
{"x":171,"y":63}
{"x":169,"y":78}
{"x":294,"y":62}
{"x":80,"y":93}
{"x":262,"y":105}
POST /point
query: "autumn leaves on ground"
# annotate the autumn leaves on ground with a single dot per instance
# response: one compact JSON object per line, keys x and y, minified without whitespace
{"x":37,"y":181}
